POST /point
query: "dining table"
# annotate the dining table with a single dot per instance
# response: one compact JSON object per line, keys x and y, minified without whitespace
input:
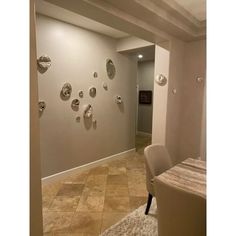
{"x":189,"y":175}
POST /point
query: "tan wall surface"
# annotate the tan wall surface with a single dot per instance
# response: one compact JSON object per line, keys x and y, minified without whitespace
{"x":193,"y":101}
{"x":145,"y":82}
{"x":76,"y":53}
{"x":176,"y":81}
{"x":36,"y":225}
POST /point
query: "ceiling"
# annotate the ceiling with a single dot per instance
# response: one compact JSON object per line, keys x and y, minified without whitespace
{"x":152,"y":20}
{"x":62,"y":14}
{"x":195,"y":7}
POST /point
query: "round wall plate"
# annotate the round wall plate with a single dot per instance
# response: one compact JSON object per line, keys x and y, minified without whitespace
{"x":110,"y":67}
{"x":44,"y":62}
{"x":161,"y":80}
{"x":92,"y":91}
{"x":66,"y":90}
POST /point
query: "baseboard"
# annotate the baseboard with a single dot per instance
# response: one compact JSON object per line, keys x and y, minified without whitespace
{"x":78,"y":169}
{"x":144,"y":133}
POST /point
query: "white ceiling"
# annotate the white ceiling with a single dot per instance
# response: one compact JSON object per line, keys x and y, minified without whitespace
{"x":62,"y":14}
{"x":195,"y":7}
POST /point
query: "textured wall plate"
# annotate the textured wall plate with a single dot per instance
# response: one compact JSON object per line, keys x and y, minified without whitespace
{"x":44,"y":62}
{"x":92,"y":91}
{"x":81,"y":94}
{"x":161,"y":80}
{"x":110,"y":67}
{"x":88,"y":111}
{"x":104,"y":85}
{"x":42,"y":106}
{"x":75,"y":104}
{"x":95,"y":74}
{"x":66,"y":90}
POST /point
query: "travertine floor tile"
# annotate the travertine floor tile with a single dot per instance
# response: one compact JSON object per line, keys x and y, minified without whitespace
{"x":116,"y":204}
{"x":47,"y":201}
{"x":117,"y":191}
{"x":51,"y":189}
{"x":86,"y":223}
{"x":100,"y":170}
{"x":70,"y":190}
{"x":109,"y":219}
{"x":96,"y":180}
{"x":117,"y":179}
{"x":117,"y":170}
{"x":64,"y":203}
{"x":91,"y":204}
{"x":136,"y":202}
{"x":86,"y":203}
{"x":56,"y":221}
{"x":138,"y":190}
{"x":77,"y":178}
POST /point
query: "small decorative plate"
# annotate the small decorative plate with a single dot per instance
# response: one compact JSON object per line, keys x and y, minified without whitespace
{"x":111,"y":70}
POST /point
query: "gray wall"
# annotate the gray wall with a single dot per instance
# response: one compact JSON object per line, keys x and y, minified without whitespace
{"x":76,"y":53}
{"x":192,"y":100}
{"x":185,"y":109}
{"x":36,"y":218}
{"x":145,"y":82}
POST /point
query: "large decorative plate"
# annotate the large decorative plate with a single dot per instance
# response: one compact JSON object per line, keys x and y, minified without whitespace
{"x":111,"y":70}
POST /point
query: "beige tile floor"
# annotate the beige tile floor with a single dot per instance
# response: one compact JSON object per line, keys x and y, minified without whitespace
{"x":88,"y":203}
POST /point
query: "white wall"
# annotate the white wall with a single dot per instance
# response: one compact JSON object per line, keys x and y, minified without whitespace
{"x":76,"y":53}
{"x":160,"y":96}
{"x":145,"y":82}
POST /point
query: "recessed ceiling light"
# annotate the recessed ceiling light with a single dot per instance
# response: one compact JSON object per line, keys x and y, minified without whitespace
{"x":140,"y":56}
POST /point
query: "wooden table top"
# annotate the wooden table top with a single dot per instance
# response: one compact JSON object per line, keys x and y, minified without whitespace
{"x":188,"y":175}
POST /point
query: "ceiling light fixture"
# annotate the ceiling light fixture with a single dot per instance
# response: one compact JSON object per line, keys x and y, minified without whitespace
{"x":140,"y":56}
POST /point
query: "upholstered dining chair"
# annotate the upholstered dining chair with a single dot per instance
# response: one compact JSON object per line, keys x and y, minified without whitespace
{"x":180,"y":212}
{"x":157,"y":160}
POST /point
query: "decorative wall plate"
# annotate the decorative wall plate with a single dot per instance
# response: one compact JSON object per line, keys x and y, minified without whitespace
{"x":95,"y":74}
{"x":161,"y":80}
{"x":66,"y":90}
{"x":110,"y":67}
{"x":92,"y":91}
{"x":118,"y":99}
{"x":81,"y":94}
{"x":88,"y":111}
{"x":75,"y":104}
{"x":104,"y":85}
{"x":42,"y":106}
{"x":44,"y":62}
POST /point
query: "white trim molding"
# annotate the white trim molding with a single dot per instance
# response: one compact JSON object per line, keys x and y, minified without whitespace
{"x":79,"y":169}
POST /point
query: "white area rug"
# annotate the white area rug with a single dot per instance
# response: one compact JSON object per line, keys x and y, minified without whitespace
{"x":136,"y":223}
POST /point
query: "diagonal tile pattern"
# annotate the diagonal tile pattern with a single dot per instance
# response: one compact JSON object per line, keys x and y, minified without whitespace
{"x":88,"y":203}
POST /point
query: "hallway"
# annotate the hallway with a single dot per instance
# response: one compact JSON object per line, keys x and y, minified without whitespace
{"x":89,"y":202}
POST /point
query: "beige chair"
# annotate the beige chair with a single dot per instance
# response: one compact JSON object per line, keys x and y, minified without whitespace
{"x":179,"y":212}
{"x":157,"y":160}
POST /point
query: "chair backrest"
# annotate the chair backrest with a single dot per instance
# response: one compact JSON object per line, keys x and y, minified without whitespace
{"x":180,"y":212}
{"x":157,"y":160}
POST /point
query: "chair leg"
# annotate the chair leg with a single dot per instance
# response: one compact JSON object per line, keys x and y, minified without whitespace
{"x":148,"y":203}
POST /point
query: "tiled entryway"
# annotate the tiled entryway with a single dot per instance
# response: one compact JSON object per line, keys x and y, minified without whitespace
{"x":87,"y":203}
